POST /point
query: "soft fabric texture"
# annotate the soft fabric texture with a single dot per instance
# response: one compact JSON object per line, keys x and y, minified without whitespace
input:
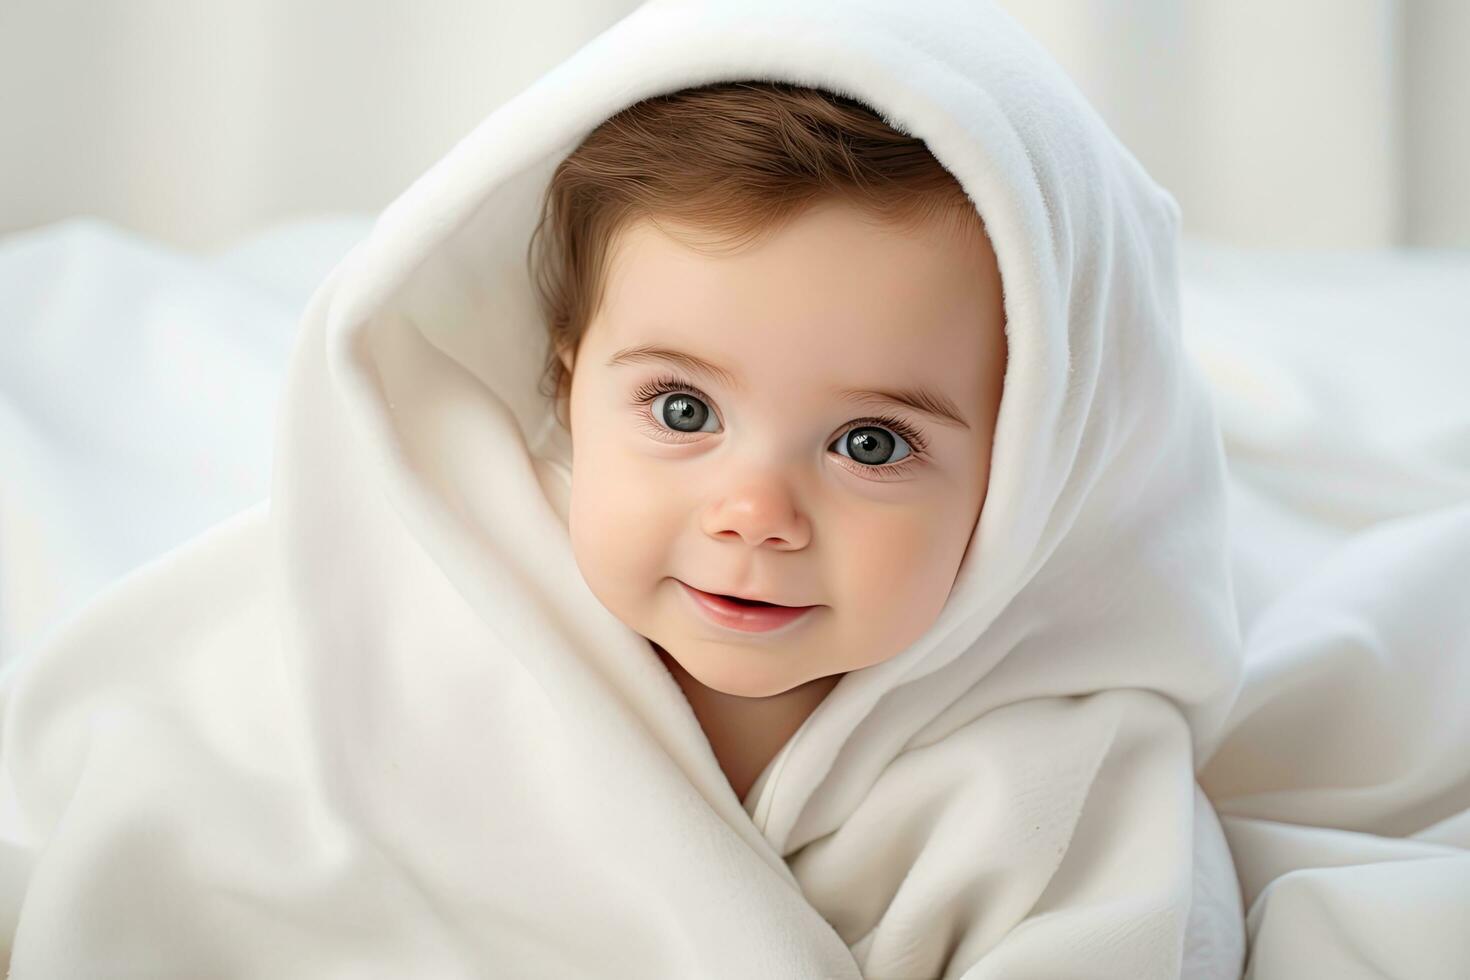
{"x":378,"y":726}
{"x":138,"y":388}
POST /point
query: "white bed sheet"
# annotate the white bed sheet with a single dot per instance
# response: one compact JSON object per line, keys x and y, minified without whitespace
{"x":1342,"y":382}
{"x":138,"y":388}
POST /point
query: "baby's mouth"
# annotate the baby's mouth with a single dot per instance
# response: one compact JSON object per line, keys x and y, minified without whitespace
{"x":736,"y":600}
{"x":746,"y":615}
{"x":744,"y":602}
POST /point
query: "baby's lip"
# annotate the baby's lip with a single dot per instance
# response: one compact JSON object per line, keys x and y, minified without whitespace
{"x":736,"y":595}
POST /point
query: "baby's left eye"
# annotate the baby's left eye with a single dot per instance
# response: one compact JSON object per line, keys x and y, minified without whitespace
{"x":872,"y":445}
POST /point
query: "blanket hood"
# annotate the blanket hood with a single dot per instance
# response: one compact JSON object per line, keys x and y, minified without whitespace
{"x":419,"y":500}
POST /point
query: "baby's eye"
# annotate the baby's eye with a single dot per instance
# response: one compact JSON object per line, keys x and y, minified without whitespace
{"x":872,"y":445}
{"x":681,"y":412}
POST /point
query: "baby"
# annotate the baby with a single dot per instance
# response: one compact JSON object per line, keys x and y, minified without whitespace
{"x":780,"y":328}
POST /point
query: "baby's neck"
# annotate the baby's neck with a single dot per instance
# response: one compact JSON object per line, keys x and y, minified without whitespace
{"x":746,"y":733}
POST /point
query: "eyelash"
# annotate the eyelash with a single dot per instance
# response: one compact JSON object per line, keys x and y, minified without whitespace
{"x":669,"y":383}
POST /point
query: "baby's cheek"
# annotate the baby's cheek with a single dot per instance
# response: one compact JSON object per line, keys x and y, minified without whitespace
{"x":635,"y":491}
{"x":899,"y":569}
{"x":884,"y":547}
{"x":618,"y":517}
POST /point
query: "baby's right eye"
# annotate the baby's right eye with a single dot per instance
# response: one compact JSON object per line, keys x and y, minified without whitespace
{"x":682,"y":412}
{"x":674,"y":406}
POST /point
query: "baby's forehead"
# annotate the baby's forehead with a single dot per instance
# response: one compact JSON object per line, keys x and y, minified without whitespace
{"x":948,"y":223}
{"x":833,"y":259}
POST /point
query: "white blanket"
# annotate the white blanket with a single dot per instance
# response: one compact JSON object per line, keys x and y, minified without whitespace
{"x":379,"y":728}
{"x":1343,"y":783}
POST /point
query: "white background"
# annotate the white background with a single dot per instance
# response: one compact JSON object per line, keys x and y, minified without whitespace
{"x":1284,"y":123}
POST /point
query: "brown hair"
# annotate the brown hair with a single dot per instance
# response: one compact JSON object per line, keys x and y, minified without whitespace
{"x":737,"y":159}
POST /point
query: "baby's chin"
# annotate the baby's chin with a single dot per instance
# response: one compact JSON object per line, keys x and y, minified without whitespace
{"x":735,"y":679}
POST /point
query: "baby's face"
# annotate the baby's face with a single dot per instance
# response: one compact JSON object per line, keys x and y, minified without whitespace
{"x":761,"y":478}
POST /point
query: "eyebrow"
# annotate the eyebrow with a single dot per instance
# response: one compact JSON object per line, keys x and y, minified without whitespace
{"x":918,"y":398}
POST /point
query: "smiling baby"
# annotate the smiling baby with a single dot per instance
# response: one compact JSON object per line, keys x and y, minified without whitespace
{"x":779,"y":327}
